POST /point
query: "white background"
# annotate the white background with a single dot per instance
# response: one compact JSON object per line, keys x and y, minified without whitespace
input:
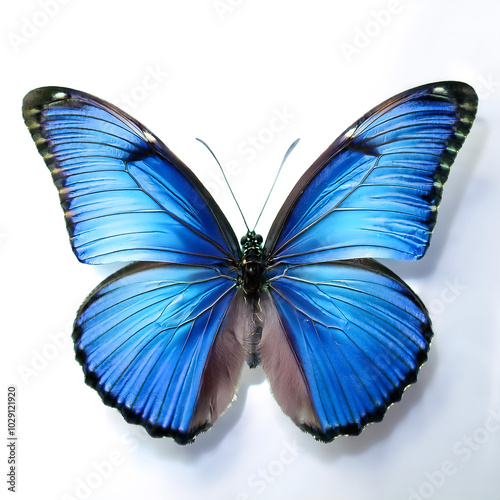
{"x":222,"y":71}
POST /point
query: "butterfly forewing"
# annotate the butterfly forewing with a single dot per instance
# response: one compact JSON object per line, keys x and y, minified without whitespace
{"x":126,"y":196}
{"x":376,"y":190}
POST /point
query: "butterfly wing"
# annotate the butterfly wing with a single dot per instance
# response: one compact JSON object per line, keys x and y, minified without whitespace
{"x":125,"y":195}
{"x":157,"y":341}
{"x":375,"y":191}
{"x":341,"y":342}
{"x":351,"y":335}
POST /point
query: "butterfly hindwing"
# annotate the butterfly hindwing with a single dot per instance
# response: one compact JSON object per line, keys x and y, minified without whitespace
{"x":375,"y":191}
{"x":351,"y":336}
{"x":151,"y":338}
{"x":125,"y":195}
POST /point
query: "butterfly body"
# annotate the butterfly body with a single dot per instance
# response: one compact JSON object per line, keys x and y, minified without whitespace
{"x":339,"y":336}
{"x":252,"y":280}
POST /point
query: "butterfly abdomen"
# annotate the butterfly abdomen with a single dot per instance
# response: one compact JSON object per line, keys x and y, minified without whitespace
{"x":253,"y":332}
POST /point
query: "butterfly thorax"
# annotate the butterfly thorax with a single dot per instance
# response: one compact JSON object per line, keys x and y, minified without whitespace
{"x":252,"y":275}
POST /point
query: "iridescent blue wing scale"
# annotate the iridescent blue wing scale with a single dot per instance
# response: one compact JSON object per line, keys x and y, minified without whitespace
{"x":351,"y":334}
{"x":125,"y":195}
{"x":375,"y":191}
{"x":151,"y":337}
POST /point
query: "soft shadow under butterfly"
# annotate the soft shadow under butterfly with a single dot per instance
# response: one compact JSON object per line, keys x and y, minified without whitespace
{"x":339,"y":336}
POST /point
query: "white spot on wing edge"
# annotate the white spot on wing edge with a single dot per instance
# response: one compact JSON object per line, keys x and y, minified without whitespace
{"x":440,"y":90}
{"x":59,"y":95}
{"x":149,"y":137}
{"x":349,"y":133}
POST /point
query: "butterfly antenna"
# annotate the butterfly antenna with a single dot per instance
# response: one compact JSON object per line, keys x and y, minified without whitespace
{"x":227,"y":182}
{"x":287,"y":154}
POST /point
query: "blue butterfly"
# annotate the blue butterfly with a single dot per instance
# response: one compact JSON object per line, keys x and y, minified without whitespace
{"x":339,"y":335}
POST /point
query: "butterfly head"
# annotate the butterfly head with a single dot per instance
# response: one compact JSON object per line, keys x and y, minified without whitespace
{"x":251,"y":244}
